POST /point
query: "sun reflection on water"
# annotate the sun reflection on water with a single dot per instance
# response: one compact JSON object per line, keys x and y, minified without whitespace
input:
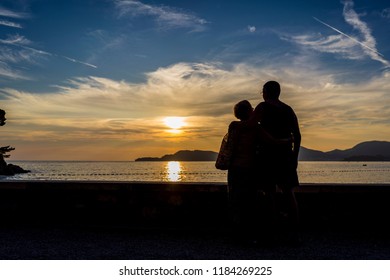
{"x":173,"y":171}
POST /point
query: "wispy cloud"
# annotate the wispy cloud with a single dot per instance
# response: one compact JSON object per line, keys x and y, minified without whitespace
{"x":370,"y":45}
{"x":386,"y":13}
{"x":359,"y":46}
{"x":10,"y":24}
{"x":251,"y":28}
{"x":16,"y":40}
{"x":107,"y":40}
{"x":16,"y":49}
{"x":368,"y":42}
{"x":11,"y":56}
{"x":336,"y":44}
{"x":24,"y":43}
{"x":12,"y":14}
{"x":7,"y":72}
{"x":167,"y":17}
{"x":16,"y":56}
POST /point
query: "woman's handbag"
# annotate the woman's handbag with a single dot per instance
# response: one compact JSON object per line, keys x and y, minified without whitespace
{"x":224,"y":155}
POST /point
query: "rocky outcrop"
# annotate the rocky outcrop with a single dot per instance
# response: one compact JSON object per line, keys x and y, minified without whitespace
{"x":10,"y":169}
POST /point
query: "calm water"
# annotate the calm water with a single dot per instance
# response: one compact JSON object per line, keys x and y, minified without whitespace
{"x":309,"y":172}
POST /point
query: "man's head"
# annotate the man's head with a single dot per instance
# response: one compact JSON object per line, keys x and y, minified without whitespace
{"x":271,"y":90}
{"x":243,"y":110}
{"x":2,"y":117}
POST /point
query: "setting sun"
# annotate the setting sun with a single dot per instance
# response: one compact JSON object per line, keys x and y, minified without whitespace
{"x":174,"y":122}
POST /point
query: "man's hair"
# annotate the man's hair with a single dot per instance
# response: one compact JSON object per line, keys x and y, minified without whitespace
{"x":2,"y":112}
{"x":243,"y":110}
{"x":272,"y":89}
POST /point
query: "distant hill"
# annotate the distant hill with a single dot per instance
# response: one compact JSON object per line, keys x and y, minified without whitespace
{"x":366,"y":151}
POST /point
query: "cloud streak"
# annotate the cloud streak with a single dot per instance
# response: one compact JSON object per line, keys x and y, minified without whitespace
{"x":18,"y":49}
{"x":22,"y":42}
{"x":77,"y":61}
{"x":348,"y":46}
{"x":167,"y":17}
{"x":350,"y":37}
{"x":10,"y":24}
{"x":368,"y":42}
{"x":11,"y":14}
{"x":354,"y":20}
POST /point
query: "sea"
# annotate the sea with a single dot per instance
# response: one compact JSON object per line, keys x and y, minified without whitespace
{"x":185,"y":171}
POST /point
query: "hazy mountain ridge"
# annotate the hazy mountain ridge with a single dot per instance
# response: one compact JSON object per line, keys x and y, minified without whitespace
{"x":365,"y":151}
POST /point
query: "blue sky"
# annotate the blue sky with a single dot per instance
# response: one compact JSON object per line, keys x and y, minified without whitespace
{"x":94,"y":80}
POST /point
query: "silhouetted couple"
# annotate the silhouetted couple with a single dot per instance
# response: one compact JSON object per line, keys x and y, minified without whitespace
{"x":264,"y":148}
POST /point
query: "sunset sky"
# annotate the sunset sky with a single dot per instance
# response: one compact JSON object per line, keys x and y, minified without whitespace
{"x":105,"y":79}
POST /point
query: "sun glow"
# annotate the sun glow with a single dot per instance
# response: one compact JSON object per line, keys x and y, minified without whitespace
{"x":174,"y":122}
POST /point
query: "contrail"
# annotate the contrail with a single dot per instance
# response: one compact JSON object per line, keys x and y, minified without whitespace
{"x":63,"y":56}
{"x":77,"y":61}
{"x":353,"y":39}
{"x":47,"y":53}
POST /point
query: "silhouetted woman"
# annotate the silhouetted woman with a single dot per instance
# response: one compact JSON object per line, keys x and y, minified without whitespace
{"x":252,"y":205}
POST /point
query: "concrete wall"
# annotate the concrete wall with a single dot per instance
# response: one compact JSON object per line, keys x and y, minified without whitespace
{"x":349,"y":206}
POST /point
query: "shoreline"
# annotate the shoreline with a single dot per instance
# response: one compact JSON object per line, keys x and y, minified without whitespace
{"x":308,"y":172}
{"x":303,"y":186}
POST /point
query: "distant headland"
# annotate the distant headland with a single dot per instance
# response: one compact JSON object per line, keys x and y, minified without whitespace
{"x":184,"y":155}
{"x":365,"y":151}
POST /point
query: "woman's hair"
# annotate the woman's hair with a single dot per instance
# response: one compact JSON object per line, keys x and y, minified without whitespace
{"x":2,"y":112}
{"x":243,"y":110}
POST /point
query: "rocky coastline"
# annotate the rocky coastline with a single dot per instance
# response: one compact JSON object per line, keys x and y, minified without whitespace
{"x":9,"y":169}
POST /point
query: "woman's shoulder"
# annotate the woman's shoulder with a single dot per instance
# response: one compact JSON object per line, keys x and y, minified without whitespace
{"x":240,"y":127}
{"x":234,"y":124}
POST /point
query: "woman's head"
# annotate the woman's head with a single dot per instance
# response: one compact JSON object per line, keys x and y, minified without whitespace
{"x":243,"y":110}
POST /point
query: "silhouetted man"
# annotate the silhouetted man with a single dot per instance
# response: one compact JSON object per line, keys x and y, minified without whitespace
{"x":278,"y":164}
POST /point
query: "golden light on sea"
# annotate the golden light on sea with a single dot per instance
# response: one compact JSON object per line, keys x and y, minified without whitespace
{"x":173,"y":170}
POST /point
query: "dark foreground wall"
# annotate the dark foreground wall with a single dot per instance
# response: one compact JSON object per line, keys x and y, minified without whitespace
{"x":181,"y":204}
